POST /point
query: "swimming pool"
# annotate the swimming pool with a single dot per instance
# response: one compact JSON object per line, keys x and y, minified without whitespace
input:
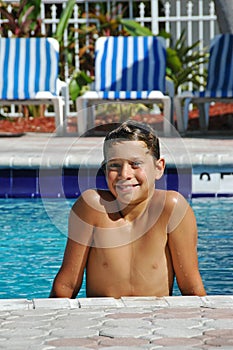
{"x":31,"y":246}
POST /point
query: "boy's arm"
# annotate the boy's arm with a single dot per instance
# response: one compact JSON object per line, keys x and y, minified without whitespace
{"x":182,"y":242}
{"x":68,"y":281}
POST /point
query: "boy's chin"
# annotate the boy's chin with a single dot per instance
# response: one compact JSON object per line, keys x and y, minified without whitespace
{"x":130,"y":200}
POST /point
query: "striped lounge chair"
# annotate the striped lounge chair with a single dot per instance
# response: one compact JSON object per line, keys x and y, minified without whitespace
{"x":29,"y":75}
{"x":219,"y":84}
{"x":128,"y":69}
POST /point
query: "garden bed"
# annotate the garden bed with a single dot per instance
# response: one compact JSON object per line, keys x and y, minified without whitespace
{"x":221,"y":119}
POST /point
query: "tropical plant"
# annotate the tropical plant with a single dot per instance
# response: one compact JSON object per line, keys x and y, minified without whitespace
{"x":134,"y":28}
{"x":22,"y":20}
{"x":79,"y":79}
{"x":79,"y":84}
{"x":64,"y":19}
{"x":184,"y":62}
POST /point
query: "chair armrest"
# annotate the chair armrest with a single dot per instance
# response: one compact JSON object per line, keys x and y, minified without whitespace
{"x":63,"y":90}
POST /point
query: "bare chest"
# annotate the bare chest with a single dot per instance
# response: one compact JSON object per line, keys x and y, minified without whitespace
{"x":141,"y":232}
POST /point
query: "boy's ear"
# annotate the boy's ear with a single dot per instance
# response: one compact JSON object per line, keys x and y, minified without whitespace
{"x":159,"y":168}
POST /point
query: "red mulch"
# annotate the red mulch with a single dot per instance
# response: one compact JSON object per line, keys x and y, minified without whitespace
{"x":20,"y":124}
{"x":221,"y":118}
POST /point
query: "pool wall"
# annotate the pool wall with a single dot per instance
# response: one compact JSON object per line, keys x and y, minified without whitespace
{"x":70,"y":182}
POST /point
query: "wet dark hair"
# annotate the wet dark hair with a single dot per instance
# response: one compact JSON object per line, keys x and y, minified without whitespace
{"x":134,"y":131}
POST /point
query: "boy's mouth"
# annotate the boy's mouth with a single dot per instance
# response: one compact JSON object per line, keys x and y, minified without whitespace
{"x":126,"y":187}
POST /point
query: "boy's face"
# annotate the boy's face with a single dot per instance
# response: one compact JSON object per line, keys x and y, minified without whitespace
{"x":131,"y":171}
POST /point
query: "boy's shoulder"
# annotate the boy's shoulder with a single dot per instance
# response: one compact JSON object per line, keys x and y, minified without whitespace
{"x":97,"y":194}
{"x":170,"y":198}
{"x":173,"y":203}
{"x":93,"y":199}
{"x":90,"y":204}
{"x":175,"y":198}
{"x":177,"y":208}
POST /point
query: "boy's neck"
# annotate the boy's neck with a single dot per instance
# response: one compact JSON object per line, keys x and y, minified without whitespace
{"x":133,"y":211}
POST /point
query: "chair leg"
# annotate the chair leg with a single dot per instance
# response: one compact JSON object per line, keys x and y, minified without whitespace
{"x":179,"y":114}
{"x":91,"y":117}
{"x":58,"y":109}
{"x":66,"y":109}
{"x":203,"y":115}
{"x":167,"y":117}
{"x":187,"y":102}
{"x":81,"y":115}
{"x":207,"y":110}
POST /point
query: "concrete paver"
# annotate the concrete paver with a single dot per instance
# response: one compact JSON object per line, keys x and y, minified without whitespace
{"x":188,"y":324}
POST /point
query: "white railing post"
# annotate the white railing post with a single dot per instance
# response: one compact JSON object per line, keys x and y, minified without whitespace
{"x":42,"y":16}
{"x":178,"y":22}
{"x":54,"y":18}
{"x":190,"y":30}
{"x":167,"y":7}
{"x":155,"y":17}
{"x":142,"y":13}
{"x":76,"y":36}
{"x":212,"y":15}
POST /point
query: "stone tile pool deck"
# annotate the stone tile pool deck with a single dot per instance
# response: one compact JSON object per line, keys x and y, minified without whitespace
{"x":130,"y":322}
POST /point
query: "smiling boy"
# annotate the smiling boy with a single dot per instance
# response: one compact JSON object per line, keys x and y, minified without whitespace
{"x":132,"y":239}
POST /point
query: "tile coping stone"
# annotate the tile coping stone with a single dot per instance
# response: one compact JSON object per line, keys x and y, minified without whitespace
{"x":48,"y":151}
{"x":211,"y":301}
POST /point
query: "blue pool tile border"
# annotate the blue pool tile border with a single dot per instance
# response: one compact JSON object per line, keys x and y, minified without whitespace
{"x":212,"y":195}
{"x":70,"y":182}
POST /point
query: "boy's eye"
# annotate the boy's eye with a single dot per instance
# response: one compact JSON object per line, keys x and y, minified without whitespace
{"x":136,"y":164}
{"x":118,"y":165}
{"x":113,"y":166}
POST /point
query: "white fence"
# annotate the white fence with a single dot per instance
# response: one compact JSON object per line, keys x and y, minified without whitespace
{"x":197,"y":17}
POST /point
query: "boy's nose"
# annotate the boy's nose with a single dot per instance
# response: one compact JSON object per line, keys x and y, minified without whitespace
{"x":125,"y":171}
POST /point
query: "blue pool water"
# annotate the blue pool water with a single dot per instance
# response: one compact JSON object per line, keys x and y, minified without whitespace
{"x":32,"y":246}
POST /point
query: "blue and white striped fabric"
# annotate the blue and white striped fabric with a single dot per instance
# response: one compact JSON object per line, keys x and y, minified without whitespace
{"x":28,"y":66}
{"x":220,"y":68}
{"x":129,"y":67}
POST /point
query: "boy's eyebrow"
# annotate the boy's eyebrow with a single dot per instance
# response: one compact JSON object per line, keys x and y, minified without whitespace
{"x":131,"y":158}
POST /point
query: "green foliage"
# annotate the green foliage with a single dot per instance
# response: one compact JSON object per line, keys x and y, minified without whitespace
{"x":23,"y":20}
{"x":63,"y":23}
{"x":135,"y":29}
{"x":183,"y":64}
{"x":78,"y":84}
{"x":120,"y":112}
